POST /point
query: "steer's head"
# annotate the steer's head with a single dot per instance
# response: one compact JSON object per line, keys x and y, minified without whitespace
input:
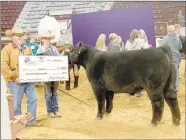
{"x":77,"y":53}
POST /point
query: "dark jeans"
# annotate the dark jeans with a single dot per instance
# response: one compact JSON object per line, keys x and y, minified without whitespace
{"x":51,"y":97}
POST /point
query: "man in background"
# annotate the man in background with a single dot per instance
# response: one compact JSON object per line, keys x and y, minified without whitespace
{"x":173,"y":41}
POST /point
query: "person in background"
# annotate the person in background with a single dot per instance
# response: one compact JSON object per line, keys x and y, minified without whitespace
{"x":50,"y":88}
{"x":10,"y":71}
{"x":75,"y":67}
{"x":177,"y":29}
{"x":120,"y":43}
{"x":113,"y":45}
{"x":100,"y":43}
{"x":174,"y":42}
{"x":25,"y":39}
{"x":112,"y":36}
{"x":5,"y":116}
{"x":143,"y":39}
{"x":33,"y":45}
{"x":133,"y":43}
{"x":181,"y":19}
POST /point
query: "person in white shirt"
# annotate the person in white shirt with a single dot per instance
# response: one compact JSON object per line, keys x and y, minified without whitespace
{"x":143,"y":39}
{"x":100,"y":43}
{"x":134,"y":43}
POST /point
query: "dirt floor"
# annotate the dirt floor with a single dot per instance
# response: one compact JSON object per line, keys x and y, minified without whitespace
{"x":130,"y":118}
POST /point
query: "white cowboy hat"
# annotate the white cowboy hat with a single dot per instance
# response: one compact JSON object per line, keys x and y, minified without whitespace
{"x":51,"y":29}
{"x":45,"y":33}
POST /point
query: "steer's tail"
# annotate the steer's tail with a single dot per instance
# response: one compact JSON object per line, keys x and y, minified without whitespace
{"x":167,"y":50}
{"x":170,"y":87}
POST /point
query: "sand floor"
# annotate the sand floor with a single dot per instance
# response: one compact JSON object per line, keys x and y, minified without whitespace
{"x":130,"y":118}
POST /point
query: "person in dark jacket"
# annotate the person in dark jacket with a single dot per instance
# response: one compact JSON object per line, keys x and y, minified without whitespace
{"x":113,"y":45}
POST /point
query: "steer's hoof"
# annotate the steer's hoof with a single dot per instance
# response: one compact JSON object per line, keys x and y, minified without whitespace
{"x":108,"y":111}
{"x":176,"y":122}
{"x":99,"y":117}
{"x":153,"y":124}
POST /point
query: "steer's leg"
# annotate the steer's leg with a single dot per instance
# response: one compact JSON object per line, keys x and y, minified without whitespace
{"x":157,"y":107}
{"x":171,"y":99}
{"x":170,"y":96}
{"x":161,"y":109}
{"x":157,"y":102}
{"x":173,"y":104}
{"x":100,"y":96}
{"x":109,"y":95}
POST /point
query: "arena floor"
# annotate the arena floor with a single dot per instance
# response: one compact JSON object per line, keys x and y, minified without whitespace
{"x":130,"y":118}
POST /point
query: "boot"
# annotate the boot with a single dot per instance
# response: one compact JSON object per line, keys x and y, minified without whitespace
{"x":68,"y":85}
{"x":76,"y":81}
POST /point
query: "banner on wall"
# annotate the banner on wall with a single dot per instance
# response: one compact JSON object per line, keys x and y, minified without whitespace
{"x":87,"y":27}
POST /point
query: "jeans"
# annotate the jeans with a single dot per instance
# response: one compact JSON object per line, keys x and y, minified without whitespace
{"x":51,"y":97}
{"x":17,"y":91}
{"x":176,"y":61}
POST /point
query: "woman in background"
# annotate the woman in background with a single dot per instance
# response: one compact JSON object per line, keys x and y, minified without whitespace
{"x":143,"y":39}
{"x":113,"y":45}
{"x":133,"y":43}
{"x":100,"y":43}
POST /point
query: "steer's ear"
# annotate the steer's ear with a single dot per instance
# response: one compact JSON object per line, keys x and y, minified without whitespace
{"x":81,"y":46}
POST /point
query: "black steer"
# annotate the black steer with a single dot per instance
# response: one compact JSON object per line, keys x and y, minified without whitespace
{"x":130,"y":72}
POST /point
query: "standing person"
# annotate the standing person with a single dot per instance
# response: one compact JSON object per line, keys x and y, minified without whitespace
{"x":177,"y":29}
{"x":51,"y":93}
{"x":10,"y":71}
{"x":33,"y":45}
{"x":120,"y":43}
{"x":75,"y":68}
{"x":173,"y":41}
{"x":181,"y":19}
{"x":134,"y":43}
{"x":100,"y":43}
{"x":25,"y":39}
{"x":113,"y":45}
{"x":5,"y":116}
{"x":143,"y":39}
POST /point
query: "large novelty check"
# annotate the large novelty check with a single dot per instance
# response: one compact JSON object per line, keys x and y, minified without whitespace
{"x":43,"y":68}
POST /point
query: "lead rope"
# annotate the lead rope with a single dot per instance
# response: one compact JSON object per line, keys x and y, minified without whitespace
{"x":69,"y":94}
